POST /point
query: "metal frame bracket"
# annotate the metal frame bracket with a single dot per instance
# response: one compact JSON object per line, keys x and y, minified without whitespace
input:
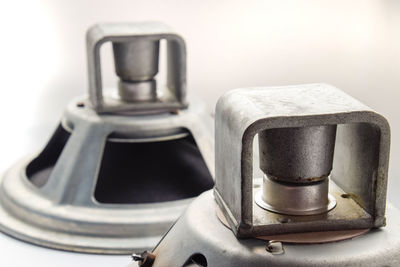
{"x":175,"y":95}
{"x":360,"y":165}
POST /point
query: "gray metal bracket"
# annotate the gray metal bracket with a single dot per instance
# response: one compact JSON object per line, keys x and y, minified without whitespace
{"x":175,"y":95}
{"x":360,"y":165}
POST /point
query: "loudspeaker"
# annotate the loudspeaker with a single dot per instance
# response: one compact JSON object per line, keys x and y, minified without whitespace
{"x":122,"y":165}
{"x":322,"y":199}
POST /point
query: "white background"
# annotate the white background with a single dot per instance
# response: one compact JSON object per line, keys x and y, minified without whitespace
{"x":354,"y":45}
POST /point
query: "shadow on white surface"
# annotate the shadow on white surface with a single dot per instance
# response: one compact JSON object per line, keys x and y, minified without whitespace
{"x":16,"y":253}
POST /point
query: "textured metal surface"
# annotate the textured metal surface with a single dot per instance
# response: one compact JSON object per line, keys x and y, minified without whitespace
{"x":242,"y":113}
{"x":63,"y":214}
{"x":173,"y":96}
{"x":220,"y":247}
{"x":66,"y":203}
{"x":304,"y":199}
{"x":297,"y":155}
{"x":306,"y":237}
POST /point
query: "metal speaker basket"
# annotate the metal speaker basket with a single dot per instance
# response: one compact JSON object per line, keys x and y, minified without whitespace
{"x":120,"y":168}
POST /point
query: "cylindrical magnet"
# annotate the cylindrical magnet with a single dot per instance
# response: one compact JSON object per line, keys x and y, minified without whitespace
{"x":297,"y":155}
{"x":137,"y":91}
{"x":136,"y":60}
{"x":291,"y":199}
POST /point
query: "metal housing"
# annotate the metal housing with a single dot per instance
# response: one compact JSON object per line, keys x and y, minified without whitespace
{"x":200,"y":232}
{"x":64,"y":213}
{"x":360,"y":164}
{"x":175,"y":92}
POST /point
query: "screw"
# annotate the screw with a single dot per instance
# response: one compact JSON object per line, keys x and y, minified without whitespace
{"x":275,"y":247}
{"x":144,"y":259}
{"x":137,"y":257}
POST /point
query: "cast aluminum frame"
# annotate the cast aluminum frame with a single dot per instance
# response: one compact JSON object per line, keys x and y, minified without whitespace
{"x":64,"y":214}
{"x":360,"y":165}
{"x":199,"y":231}
{"x":208,"y":233}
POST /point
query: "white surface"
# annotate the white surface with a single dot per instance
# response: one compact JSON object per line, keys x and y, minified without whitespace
{"x":354,"y":45}
{"x":17,"y":253}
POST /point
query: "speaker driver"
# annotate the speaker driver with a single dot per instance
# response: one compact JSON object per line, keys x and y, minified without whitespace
{"x":118,"y":171}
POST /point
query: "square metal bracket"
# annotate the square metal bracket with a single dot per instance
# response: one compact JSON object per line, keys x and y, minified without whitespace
{"x":360,"y":165}
{"x":175,"y":95}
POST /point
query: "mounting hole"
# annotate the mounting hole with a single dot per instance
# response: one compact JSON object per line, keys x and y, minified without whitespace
{"x":345,"y":195}
{"x":196,"y":260}
{"x":80,"y":105}
{"x":283,"y":220}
